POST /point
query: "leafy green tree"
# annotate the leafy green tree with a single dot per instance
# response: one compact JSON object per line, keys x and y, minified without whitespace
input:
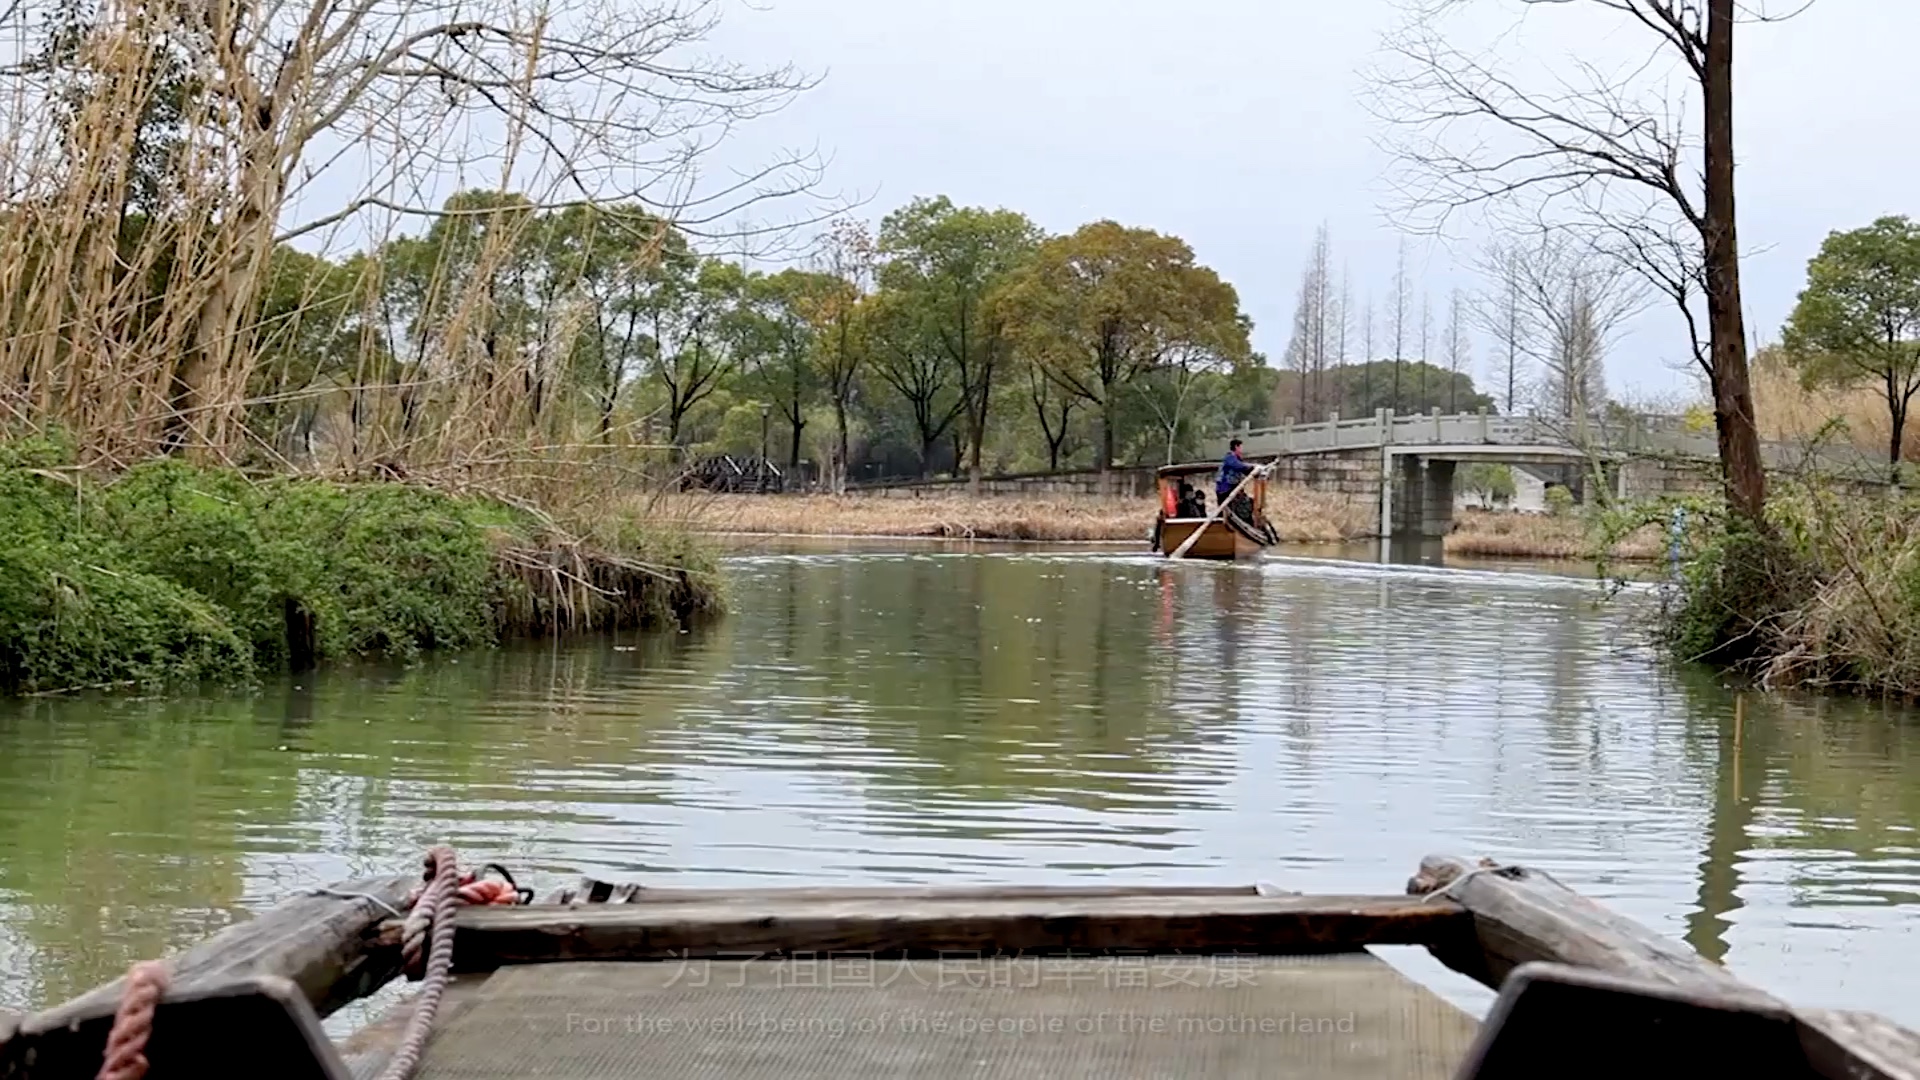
{"x":609,"y":263}
{"x":308,"y":333}
{"x":1858,"y":320}
{"x":458,"y":297}
{"x":1495,"y":481}
{"x":779,"y":344}
{"x":696,"y":331}
{"x":1102,"y":307}
{"x":909,"y":358}
{"x":942,"y":264}
{"x":1362,"y":389}
{"x":840,"y":316}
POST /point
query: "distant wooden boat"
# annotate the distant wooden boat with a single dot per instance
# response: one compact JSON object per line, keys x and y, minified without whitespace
{"x":1089,"y":981}
{"x":1183,"y":509}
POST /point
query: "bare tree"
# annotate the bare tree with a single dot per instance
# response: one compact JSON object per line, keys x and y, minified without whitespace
{"x":1572,"y":302}
{"x":1313,"y":326}
{"x":1367,"y":322}
{"x":1173,"y":390}
{"x":1402,"y":302}
{"x":1606,"y":149}
{"x":1426,"y":347}
{"x":1343,"y":326}
{"x":1459,"y":350}
{"x":1497,"y":310}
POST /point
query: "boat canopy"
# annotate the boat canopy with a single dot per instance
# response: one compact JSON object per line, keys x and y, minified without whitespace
{"x":1192,"y":468}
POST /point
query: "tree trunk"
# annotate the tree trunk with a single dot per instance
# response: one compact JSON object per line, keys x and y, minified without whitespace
{"x":840,"y":467}
{"x":1741,"y":467}
{"x":1897,"y":417}
{"x":210,"y":360}
{"x":977,"y":420}
{"x":198,"y":419}
{"x":1106,"y":447}
{"x":793,"y":449}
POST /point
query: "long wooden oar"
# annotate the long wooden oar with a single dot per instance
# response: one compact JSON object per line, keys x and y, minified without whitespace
{"x":1221,"y":508}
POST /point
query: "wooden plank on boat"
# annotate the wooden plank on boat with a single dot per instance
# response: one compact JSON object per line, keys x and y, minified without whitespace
{"x":314,"y":940}
{"x":754,"y":926}
{"x":1858,"y":1045}
{"x":368,"y":1050}
{"x":1522,"y":915}
{"x":1346,"y":1016}
{"x":594,"y":891}
{"x":1615,"y":1026}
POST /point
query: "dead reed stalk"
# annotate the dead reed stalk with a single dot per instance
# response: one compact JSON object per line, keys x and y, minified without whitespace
{"x":217,"y":235}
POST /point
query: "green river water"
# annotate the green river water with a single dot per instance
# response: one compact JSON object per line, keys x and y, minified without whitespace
{"x":949,"y":715}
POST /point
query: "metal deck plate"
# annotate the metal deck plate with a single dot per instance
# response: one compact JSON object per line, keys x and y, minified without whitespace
{"x":1348,"y":1015}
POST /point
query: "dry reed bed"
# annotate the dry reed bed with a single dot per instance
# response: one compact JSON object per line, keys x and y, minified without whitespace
{"x":1538,"y":536}
{"x":1300,"y":516}
{"x":1853,"y":416}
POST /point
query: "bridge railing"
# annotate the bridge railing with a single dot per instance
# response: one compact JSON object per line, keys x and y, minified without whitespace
{"x":1649,"y":435}
{"x":1386,"y":428}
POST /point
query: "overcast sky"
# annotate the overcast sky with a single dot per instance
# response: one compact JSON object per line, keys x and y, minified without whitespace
{"x":1236,"y":124}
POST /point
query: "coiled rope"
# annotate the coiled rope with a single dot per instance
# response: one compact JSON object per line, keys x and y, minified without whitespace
{"x":428,"y":931}
{"x":126,"y":1056}
{"x":426,"y":954}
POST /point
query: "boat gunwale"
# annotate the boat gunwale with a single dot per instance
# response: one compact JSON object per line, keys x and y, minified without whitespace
{"x":1481,"y":919}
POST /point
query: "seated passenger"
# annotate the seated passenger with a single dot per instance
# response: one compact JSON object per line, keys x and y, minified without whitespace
{"x":1191,"y":503}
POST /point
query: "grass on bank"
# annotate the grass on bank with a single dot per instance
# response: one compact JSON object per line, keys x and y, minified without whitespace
{"x":174,"y":573}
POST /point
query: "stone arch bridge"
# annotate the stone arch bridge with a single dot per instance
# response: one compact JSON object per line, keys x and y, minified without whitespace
{"x":1406,"y":464}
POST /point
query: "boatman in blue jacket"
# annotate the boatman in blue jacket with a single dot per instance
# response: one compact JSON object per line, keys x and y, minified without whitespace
{"x":1233,"y":469}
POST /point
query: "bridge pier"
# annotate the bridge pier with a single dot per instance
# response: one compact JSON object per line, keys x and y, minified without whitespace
{"x":1412,"y":495}
{"x":1422,"y":505}
{"x":1436,"y":517}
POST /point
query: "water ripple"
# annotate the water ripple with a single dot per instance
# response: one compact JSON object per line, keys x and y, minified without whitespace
{"x":1024,"y":716}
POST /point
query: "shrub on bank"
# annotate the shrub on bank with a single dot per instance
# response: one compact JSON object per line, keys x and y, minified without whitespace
{"x":173,"y":573}
{"x":1827,"y":596}
{"x":75,"y":612}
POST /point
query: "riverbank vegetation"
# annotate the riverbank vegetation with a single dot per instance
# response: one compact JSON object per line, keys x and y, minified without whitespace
{"x":1825,"y":590}
{"x":175,"y":573}
{"x":1826,"y":595}
{"x":265,"y":402}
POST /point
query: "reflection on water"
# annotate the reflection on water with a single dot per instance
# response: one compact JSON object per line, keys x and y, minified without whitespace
{"x":1001,"y":716}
